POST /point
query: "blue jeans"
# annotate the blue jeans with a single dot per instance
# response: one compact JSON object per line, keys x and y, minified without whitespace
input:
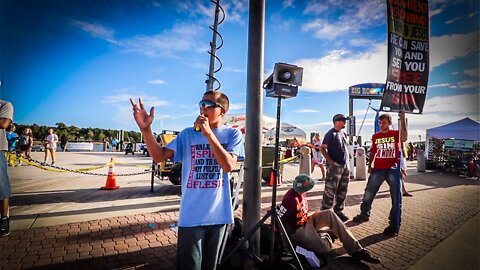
{"x":374,"y":182}
{"x":198,"y":247}
{"x":5,"y":189}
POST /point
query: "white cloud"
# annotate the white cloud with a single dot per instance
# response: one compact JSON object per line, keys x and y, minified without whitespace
{"x":280,"y":23}
{"x":340,"y":69}
{"x":287,"y":3}
{"x":306,"y":111}
{"x":453,"y":20}
{"x":435,"y":12}
{"x":448,"y":47}
{"x":361,"y":42}
{"x":324,"y":29}
{"x":237,"y":106}
{"x":441,"y":85}
{"x":468,"y":84}
{"x":356,"y":15}
{"x":458,"y":85}
{"x":123,"y":108}
{"x":235,"y":10}
{"x":156,"y":82}
{"x":96,"y":30}
{"x":181,"y":37}
{"x":315,"y":7}
{"x":455,"y":104}
{"x":474,"y":72}
{"x":124,"y":99}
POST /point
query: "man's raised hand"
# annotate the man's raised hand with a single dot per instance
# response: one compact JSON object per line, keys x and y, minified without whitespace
{"x":143,"y":119}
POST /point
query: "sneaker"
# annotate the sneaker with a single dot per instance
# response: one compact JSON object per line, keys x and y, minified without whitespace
{"x":5,"y":226}
{"x":406,"y":194}
{"x":390,"y":231}
{"x":366,"y":256}
{"x":360,"y":218}
{"x":342,"y":216}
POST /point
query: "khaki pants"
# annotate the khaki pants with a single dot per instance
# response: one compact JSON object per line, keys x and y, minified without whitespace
{"x":307,"y":236}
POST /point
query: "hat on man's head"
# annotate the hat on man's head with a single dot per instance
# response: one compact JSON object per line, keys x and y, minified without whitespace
{"x":303,"y":183}
{"x":339,"y":117}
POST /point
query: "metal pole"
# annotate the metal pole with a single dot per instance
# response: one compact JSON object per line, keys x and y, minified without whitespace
{"x":253,"y":135}
{"x":350,"y":114}
{"x":275,"y":177}
{"x":213,"y":49}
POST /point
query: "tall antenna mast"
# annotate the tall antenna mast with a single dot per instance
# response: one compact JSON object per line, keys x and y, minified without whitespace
{"x":213,"y":48}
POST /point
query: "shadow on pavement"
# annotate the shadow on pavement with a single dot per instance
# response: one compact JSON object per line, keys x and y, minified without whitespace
{"x":172,"y":205}
{"x":149,"y":258}
{"x":346,"y":263}
{"x":91,"y":195}
{"x":373,"y":239}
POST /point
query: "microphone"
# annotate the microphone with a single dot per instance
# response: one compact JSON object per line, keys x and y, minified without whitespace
{"x":197,"y":128}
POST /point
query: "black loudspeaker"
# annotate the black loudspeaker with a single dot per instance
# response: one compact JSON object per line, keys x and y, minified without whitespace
{"x":284,"y":81}
{"x":287,"y":74}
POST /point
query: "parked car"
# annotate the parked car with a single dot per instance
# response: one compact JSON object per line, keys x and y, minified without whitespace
{"x":38,"y":148}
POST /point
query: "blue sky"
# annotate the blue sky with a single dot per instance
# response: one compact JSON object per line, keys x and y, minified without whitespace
{"x":79,"y":62}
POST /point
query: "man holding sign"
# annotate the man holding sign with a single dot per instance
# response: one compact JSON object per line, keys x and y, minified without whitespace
{"x":384,"y":156}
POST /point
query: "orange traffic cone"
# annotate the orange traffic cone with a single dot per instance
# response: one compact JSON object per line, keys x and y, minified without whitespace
{"x":272,"y":177}
{"x":111,"y":181}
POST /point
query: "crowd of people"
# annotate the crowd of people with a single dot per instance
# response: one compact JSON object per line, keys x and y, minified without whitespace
{"x":22,"y":144}
{"x":209,"y":151}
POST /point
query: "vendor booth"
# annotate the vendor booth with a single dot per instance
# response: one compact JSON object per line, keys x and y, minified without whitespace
{"x":452,"y":141}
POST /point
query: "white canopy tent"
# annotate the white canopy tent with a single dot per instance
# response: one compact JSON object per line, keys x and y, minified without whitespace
{"x":238,"y":121}
{"x":289,"y":132}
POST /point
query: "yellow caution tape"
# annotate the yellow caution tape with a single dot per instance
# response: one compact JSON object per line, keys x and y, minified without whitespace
{"x":39,"y":166}
{"x":283,"y":161}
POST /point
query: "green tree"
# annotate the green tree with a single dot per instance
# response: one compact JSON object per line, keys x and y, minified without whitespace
{"x":90,"y":135}
{"x":101,"y":136}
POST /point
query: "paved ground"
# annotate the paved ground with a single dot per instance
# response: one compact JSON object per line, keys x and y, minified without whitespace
{"x":122,"y":229}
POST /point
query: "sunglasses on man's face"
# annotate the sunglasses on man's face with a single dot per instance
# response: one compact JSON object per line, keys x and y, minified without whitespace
{"x":209,"y":104}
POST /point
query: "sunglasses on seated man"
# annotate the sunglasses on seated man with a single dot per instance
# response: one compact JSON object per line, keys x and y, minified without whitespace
{"x":209,"y":104}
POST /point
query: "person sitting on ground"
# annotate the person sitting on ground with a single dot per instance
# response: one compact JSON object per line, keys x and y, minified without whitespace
{"x":303,"y":227}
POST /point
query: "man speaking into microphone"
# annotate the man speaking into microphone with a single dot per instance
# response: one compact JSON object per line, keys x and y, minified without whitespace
{"x":208,"y":152}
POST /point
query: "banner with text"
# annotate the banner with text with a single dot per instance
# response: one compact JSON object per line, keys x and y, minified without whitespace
{"x":408,"y":56}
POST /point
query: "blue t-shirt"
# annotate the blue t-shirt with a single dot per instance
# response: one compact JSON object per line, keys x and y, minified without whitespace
{"x":337,"y":145}
{"x":206,"y":198}
{"x":12,"y":140}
